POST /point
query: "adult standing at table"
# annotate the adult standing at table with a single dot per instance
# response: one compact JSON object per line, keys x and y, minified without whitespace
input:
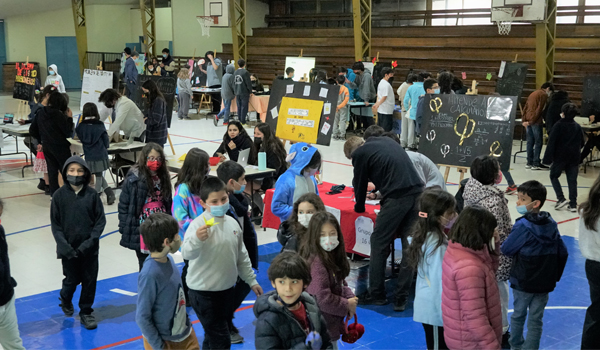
{"x":242,"y":85}
{"x":126,"y":115}
{"x":366,"y":92}
{"x":156,"y":114}
{"x":383,"y":162}
{"x":385,"y":100}
{"x":168,"y":63}
{"x":214,"y":75}
{"x":130,"y":73}
{"x":533,"y":121}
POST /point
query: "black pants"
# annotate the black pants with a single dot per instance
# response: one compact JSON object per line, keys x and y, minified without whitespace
{"x":141,"y":258}
{"x":394,"y":220}
{"x":56,"y":156}
{"x":386,"y":121}
{"x":433,"y":332}
{"x":591,"y":326}
{"x":242,"y":107}
{"x":593,"y":141}
{"x":241,"y":291}
{"x":81,"y":270}
{"x":186,"y":289}
{"x":216,"y":100}
{"x":572,"y":171}
{"x":213,"y":311}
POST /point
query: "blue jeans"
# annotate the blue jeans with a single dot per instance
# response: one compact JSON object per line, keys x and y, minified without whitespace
{"x":534,"y":144}
{"x":536,"y":303}
{"x":242,"y":107}
{"x":509,"y":178}
{"x":225,"y":111}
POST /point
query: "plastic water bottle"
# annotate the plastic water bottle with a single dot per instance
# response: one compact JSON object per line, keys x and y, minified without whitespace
{"x":262,"y":161}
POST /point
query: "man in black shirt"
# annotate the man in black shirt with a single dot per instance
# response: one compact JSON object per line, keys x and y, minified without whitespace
{"x":383,"y":162}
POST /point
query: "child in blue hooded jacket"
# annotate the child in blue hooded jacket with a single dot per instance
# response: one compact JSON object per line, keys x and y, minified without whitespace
{"x":299,"y":179}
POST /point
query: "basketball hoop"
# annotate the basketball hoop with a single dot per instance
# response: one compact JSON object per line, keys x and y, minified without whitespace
{"x":514,"y":12}
{"x":504,"y":27}
{"x":206,"y":22}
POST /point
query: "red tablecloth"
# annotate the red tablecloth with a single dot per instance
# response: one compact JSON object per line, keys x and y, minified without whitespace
{"x":346,"y":206}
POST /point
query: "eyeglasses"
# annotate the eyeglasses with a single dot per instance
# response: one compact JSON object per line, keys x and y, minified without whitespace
{"x":153,"y":159}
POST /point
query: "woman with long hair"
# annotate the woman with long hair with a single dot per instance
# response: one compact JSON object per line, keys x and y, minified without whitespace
{"x":266,"y":141}
{"x":235,"y":140}
{"x":156,"y":114}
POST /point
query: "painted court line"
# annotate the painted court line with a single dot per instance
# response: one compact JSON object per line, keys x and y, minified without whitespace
{"x":569,"y":220}
{"x":124,"y":292}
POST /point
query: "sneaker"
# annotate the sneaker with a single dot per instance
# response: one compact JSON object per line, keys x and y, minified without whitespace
{"x":88,"y":321}
{"x":505,"y":338}
{"x":110,"y":196}
{"x":236,"y":338}
{"x":561,"y":204}
{"x":400,"y":305}
{"x":543,"y":167}
{"x":528,"y":166}
{"x":535,"y":167}
{"x":511,"y":190}
{"x":67,"y":308}
{"x":367,"y":299}
{"x":225,"y":123}
{"x":216,"y":120}
{"x":42,"y":185}
{"x":572,"y":208}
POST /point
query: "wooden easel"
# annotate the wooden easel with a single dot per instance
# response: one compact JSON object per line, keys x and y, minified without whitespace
{"x":301,"y":52}
{"x":22,"y":106}
{"x":170,"y":143}
{"x":473,"y":90}
{"x":460,"y":169}
{"x":99,"y":66}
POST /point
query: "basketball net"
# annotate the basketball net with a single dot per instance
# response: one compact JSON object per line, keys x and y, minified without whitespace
{"x":205,"y":23}
{"x":505,"y":26}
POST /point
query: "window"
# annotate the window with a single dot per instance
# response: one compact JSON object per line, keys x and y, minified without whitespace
{"x":461,"y":4}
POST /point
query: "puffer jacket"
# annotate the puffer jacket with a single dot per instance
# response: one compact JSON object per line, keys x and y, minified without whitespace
{"x":470,"y":299}
{"x":277,"y":328}
{"x":287,"y":237}
{"x":493,"y":199}
{"x":131,"y":201}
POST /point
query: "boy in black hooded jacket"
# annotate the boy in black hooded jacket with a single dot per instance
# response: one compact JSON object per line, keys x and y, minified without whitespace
{"x":77,"y":220}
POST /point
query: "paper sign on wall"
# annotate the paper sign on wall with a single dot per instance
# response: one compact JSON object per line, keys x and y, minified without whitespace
{"x":364,"y":230}
{"x":336,"y":212}
{"x":307,"y":90}
{"x":323,"y":93}
{"x":274,"y":112}
{"x":502,"y":68}
{"x":289,"y":89}
{"x":325,"y":128}
{"x":327,"y":108}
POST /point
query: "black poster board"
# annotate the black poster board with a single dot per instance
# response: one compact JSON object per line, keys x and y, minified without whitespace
{"x":24,"y":88}
{"x":279,"y":91}
{"x":590,"y":98}
{"x":513,"y":79}
{"x":166,"y":85}
{"x":377,"y":76}
{"x":458,"y":128}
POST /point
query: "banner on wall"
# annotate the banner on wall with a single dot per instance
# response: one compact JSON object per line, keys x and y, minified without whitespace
{"x":364,"y":230}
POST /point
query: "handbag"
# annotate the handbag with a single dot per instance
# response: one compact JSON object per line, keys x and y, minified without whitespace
{"x":353,"y":332}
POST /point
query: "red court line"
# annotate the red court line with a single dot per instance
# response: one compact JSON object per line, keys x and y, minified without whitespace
{"x":23,"y":195}
{"x":562,"y":222}
{"x":194,"y":138}
{"x":140,"y":337}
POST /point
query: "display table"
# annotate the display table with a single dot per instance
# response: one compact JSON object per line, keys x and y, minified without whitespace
{"x":16,"y":131}
{"x":258,"y":104}
{"x":341,"y":201}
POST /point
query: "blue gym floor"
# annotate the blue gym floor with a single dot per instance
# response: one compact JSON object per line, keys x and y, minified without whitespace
{"x":43,"y":325}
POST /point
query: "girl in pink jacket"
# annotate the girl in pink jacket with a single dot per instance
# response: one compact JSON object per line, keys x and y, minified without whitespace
{"x":323,"y":248}
{"x":470,"y":297}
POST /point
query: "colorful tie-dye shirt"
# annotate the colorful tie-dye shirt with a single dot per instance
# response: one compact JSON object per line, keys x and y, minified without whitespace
{"x":186,"y":207}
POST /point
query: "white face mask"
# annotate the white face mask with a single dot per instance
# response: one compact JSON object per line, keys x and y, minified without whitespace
{"x":304,"y":219}
{"x":329,"y":243}
{"x":493,"y":244}
{"x":310,"y":172}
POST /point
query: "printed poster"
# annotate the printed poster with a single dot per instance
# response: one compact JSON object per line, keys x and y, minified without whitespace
{"x":364,"y":229}
{"x":299,"y":119}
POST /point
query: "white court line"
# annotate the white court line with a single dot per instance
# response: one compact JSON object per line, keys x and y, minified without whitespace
{"x":124,"y":292}
{"x":248,"y":301}
{"x":560,"y":308}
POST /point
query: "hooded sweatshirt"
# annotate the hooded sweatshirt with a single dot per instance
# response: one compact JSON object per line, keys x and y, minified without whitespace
{"x":227,"y":87}
{"x":94,"y":139}
{"x":364,"y":84}
{"x":77,"y":218}
{"x":292,"y":184}
{"x":52,"y":127}
{"x":565,"y":143}
{"x":55,"y":79}
{"x":242,"y":82}
{"x":540,"y":255}
{"x":277,"y":328}
{"x":558,"y":99}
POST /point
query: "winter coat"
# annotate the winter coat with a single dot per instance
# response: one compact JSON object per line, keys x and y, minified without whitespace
{"x":77,"y":219}
{"x":52,"y":128}
{"x":557,"y":100}
{"x":227,"y":87}
{"x":589,"y":241}
{"x":55,"y":79}
{"x":534,"y":108}
{"x":287,"y":237}
{"x":412,"y":98}
{"x":241,"y":143}
{"x":540,"y":255}
{"x":332,"y":294}
{"x":242,"y":84}
{"x":428,"y":289}
{"x":7,"y":283}
{"x":130,"y":72}
{"x":94,"y":139}
{"x":565,"y":143}
{"x":286,"y":187}
{"x":186,"y":207}
{"x":156,"y":122}
{"x":492,"y":198}
{"x":131,"y":201}
{"x":277,"y":328}
{"x":470,"y":299}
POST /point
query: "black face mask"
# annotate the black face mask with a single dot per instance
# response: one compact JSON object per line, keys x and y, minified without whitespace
{"x":391,"y":80}
{"x":76,"y":180}
{"x":257,"y":140}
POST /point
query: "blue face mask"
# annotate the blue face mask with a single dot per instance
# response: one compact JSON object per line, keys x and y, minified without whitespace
{"x":522,"y":209}
{"x":240,"y":191}
{"x":164,"y":55}
{"x":219,"y":210}
{"x":436,"y":91}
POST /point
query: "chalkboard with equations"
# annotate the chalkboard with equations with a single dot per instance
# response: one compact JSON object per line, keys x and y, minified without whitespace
{"x":512,"y":80}
{"x":166,"y":85}
{"x":590,"y":99}
{"x":458,"y":128}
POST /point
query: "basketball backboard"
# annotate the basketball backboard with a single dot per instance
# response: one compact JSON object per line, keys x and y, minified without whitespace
{"x":218,"y":9}
{"x":534,"y":11}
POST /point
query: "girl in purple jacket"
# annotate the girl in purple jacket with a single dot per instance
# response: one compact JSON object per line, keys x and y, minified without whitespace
{"x":323,"y":248}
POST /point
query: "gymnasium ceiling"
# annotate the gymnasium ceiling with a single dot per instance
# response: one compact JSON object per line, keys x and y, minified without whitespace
{"x":21,"y":7}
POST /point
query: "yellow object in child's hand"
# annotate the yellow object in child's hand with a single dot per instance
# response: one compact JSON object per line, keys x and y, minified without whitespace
{"x":210,"y":223}
{"x":182,"y":158}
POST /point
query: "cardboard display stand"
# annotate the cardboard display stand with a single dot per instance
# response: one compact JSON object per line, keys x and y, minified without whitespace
{"x":458,"y":128}
{"x":302,"y":112}
{"x":590,"y":99}
{"x":511,"y":79}
{"x":166,"y":85}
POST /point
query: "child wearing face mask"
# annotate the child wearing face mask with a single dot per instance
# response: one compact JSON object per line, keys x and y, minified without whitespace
{"x":55,"y":79}
{"x":298,"y":179}
{"x":147,"y":190}
{"x":77,"y":220}
{"x":160,"y":312}
{"x":437,"y":214}
{"x":540,"y":258}
{"x":214,"y":246}
{"x":186,"y":201}
{"x":292,"y":230}
{"x":323,"y":248}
